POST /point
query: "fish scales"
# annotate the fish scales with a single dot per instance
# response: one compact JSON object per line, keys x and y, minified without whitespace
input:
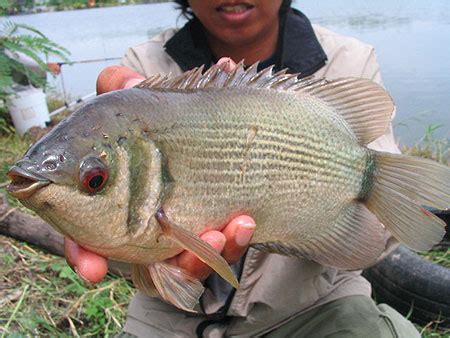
{"x":282,"y":155}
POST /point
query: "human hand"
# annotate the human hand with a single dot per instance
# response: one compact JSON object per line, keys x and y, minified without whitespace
{"x":231,"y":242}
{"x":117,"y":77}
{"x":54,"y":67}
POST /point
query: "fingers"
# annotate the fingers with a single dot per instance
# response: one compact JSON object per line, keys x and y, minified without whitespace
{"x":88,"y":265}
{"x":117,"y":77}
{"x":238,"y":234}
{"x":195,"y":267}
{"x":232,"y":242}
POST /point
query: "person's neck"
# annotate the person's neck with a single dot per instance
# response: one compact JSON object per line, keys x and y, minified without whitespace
{"x":257,"y":50}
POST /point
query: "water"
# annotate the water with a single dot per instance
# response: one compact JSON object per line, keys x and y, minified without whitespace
{"x":411,"y":37}
{"x":96,"y":34}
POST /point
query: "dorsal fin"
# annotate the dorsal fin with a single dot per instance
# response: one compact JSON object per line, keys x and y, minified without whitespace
{"x":217,"y":77}
{"x":365,"y":105}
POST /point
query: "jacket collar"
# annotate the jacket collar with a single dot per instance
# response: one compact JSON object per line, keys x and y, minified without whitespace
{"x":298,"y":48}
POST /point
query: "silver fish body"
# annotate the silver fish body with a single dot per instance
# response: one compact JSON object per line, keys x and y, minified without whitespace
{"x":205,"y":148}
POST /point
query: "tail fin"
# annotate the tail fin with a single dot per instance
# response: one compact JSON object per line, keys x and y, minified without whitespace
{"x":402,"y":186}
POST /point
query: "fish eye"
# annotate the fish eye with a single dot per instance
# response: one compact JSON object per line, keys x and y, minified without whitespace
{"x":93,"y":175}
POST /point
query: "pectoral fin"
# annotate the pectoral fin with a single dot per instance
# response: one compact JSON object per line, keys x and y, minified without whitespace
{"x":199,"y":248}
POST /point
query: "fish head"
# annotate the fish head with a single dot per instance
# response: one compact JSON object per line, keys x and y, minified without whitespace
{"x":72,"y":185}
{"x":46,"y":164}
{"x":101,"y":192}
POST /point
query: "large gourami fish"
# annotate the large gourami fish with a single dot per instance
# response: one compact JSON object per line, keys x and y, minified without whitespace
{"x":137,"y":174}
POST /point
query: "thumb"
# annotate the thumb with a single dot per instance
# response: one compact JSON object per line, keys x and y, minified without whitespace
{"x":88,"y":265}
{"x":117,"y":77}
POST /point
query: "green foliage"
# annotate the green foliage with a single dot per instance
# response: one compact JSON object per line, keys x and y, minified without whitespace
{"x":8,"y":7}
{"x":56,"y":302}
{"x":32,"y":44}
{"x":440,"y":255}
{"x":12,"y":148}
{"x":60,"y":5}
{"x":433,"y":330}
{"x":430,"y":146}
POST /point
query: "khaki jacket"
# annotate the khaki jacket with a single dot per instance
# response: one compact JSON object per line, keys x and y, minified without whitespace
{"x":273,"y":288}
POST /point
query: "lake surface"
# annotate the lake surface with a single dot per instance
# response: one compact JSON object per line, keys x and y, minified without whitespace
{"x":412,"y":39}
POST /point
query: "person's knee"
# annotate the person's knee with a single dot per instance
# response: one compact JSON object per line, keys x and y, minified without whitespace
{"x":354,"y":316}
{"x":359,"y":316}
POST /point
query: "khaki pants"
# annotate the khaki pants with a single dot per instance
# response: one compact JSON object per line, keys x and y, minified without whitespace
{"x":355,"y":316}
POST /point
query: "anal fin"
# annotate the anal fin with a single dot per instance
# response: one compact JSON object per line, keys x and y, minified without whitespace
{"x":354,"y":241}
{"x":169,"y":282}
{"x":142,"y":280}
{"x":176,"y":286}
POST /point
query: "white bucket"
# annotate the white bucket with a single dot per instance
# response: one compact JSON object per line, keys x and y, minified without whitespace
{"x":28,"y":108}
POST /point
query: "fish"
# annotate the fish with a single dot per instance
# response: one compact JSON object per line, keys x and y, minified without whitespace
{"x":138,"y":174}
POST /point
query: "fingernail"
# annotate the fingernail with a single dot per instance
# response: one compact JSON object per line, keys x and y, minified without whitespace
{"x":75,"y":268}
{"x":218,"y":242}
{"x":244,"y":233}
{"x":132,"y":82}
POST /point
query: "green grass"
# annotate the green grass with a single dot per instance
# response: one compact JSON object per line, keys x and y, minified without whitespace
{"x":432,"y":330}
{"x":430,"y":146}
{"x":41,"y":296}
{"x":439,"y":256}
{"x":12,"y":148}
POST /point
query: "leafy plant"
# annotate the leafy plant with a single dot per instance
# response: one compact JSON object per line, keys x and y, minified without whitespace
{"x":430,"y":146}
{"x":33,"y":44}
{"x":8,"y":7}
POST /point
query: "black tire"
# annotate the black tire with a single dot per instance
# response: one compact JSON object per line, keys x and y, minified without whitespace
{"x":413,"y":285}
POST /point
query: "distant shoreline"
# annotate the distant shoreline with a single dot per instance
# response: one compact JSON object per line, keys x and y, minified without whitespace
{"x":71,"y":5}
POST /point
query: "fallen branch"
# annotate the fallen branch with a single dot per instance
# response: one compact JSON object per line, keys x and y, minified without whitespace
{"x":33,"y":230}
{"x":23,"y":227}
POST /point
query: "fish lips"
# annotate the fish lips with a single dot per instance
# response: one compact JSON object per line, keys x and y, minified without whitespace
{"x":24,"y":183}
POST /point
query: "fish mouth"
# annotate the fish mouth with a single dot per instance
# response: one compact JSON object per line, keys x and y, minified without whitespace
{"x":23,"y":183}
